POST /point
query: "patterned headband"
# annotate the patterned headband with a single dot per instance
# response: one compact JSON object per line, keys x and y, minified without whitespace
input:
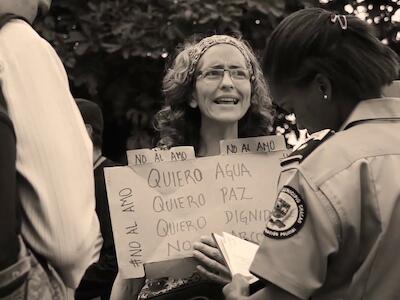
{"x":341,"y":19}
{"x":196,"y":51}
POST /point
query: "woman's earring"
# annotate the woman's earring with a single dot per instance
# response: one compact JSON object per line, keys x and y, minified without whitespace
{"x":193,"y":103}
{"x":325,"y":97}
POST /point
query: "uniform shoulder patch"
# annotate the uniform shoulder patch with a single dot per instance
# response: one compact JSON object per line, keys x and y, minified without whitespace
{"x":307,"y":147}
{"x":287,"y":216}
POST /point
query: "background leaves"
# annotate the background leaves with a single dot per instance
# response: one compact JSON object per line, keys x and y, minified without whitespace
{"x":115,"y":51}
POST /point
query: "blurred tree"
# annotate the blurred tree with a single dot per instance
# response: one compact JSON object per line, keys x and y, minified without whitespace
{"x":115,"y":51}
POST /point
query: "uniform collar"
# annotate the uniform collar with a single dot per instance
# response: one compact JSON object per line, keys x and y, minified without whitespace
{"x":374,"y":109}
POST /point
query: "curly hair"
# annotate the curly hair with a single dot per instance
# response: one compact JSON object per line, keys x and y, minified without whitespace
{"x":179,"y":124}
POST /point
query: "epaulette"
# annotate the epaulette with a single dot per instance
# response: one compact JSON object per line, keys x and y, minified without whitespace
{"x":307,"y":147}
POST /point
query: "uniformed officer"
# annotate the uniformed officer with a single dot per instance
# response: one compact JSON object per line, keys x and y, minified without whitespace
{"x":333,"y":233}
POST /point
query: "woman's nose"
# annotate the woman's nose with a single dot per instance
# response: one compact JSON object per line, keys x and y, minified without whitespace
{"x":226,"y":81}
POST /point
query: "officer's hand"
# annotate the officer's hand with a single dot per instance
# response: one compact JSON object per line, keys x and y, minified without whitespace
{"x":212,"y":264}
{"x":237,"y":289}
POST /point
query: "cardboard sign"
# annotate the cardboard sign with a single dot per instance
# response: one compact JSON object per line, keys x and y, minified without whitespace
{"x":159,"y":210}
{"x":261,"y":144}
{"x":148,"y":156}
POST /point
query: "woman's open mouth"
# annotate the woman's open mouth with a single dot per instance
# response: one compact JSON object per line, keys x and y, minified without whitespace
{"x":226,"y":101}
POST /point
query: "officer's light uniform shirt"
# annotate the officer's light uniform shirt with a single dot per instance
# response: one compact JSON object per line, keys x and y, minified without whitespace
{"x":334,"y":230}
{"x":54,"y":154}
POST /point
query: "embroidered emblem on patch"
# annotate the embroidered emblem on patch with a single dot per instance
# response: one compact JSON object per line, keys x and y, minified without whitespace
{"x":288,"y":215}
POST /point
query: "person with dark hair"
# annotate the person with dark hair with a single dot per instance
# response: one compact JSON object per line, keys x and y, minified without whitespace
{"x":214,"y":90}
{"x":59,"y":225}
{"x":94,"y":123}
{"x":333,"y":231}
{"x":100,"y":276}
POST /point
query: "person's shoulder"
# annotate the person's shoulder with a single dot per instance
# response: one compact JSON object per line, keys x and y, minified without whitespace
{"x":18,"y":30}
{"x":337,"y":153}
{"x":323,"y":155}
{"x":19,"y":39}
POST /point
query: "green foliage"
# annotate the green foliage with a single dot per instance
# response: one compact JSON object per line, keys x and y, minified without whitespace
{"x":115,"y":51}
{"x":149,"y":29}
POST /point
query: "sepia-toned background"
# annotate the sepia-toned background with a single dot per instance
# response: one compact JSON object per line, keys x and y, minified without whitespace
{"x":115,"y":51}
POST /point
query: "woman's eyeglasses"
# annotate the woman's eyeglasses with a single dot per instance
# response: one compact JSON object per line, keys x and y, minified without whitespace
{"x":217,"y":74}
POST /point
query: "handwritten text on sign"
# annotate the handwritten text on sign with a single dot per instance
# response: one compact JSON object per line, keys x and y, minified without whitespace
{"x":159,"y":210}
{"x":148,"y":156}
{"x":261,"y":144}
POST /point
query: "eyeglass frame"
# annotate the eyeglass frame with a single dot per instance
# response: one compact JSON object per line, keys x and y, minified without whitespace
{"x":200,"y":74}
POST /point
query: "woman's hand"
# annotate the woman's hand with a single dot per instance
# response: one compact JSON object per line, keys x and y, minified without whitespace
{"x":237,"y":289}
{"x":212,"y":263}
{"x":126,"y":289}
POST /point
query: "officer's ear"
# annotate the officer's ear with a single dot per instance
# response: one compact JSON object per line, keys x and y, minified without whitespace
{"x":324,"y":86}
